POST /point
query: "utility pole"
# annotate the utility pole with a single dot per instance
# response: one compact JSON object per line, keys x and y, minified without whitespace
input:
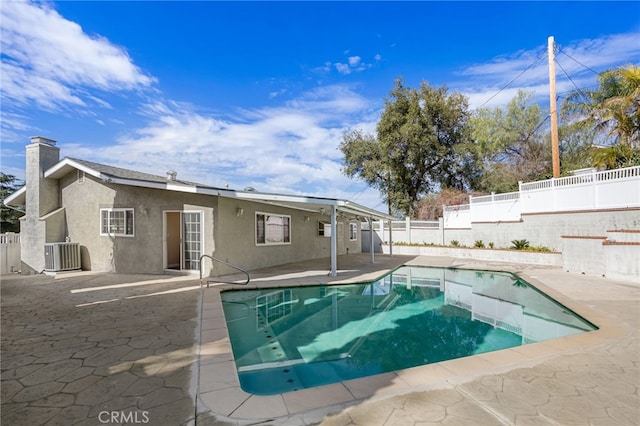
{"x":555,"y":149}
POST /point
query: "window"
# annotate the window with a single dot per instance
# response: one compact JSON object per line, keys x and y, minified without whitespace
{"x":273,"y":229}
{"x":116,"y":222}
{"x":324,"y":229}
{"x":353,"y":231}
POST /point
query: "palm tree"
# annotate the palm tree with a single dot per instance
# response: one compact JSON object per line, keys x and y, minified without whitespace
{"x":613,"y":111}
{"x":618,"y":104}
{"x":615,"y":156}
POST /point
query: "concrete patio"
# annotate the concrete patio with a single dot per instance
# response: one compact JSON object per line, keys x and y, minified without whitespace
{"x":82,"y":344}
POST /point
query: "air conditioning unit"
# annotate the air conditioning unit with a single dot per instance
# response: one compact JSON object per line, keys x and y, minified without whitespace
{"x":61,"y":257}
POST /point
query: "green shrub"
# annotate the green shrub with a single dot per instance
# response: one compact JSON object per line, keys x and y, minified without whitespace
{"x":543,"y":249}
{"x":491,"y":244}
{"x":455,"y":243}
{"x":519,"y":244}
{"x":479,"y":244}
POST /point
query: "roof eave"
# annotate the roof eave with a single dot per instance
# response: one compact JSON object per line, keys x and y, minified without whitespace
{"x":18,"y":198}
{"x":365,"y":212}
{"x":68,"y":164}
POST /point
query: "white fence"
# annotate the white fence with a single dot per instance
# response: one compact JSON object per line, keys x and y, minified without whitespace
{"x":501,"y":218}
{"x":457,"y":216}
{"x":409,"y":231}
{"x":9,"y":253}
{"x":611,"y":189}
{"x":496,"y":207}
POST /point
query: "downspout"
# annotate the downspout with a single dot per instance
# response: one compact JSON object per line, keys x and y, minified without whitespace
{"x":390,"y":238}
{"x":371,"y":234}
{"x":334,"y":242}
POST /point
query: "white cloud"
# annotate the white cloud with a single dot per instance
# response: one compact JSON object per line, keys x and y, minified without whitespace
{"x":577,"y":63}
{"x":342,"y":68}
{"x":292,"y":148}
{"x":277,"y":93}
{"x":48,"y":60}
{"x":353,"y":64}
{"x":10,"y":127}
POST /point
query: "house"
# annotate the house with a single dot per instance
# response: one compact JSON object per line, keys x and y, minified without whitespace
{"x":131,"y":222}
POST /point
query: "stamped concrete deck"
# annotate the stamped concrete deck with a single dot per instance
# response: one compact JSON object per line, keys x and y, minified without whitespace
{"x":79,"y":347}
{"x":84,"y":344}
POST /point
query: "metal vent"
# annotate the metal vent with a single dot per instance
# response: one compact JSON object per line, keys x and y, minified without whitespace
{"x":61,"y":257}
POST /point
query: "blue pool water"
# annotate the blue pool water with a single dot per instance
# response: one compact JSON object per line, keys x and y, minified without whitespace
{"x":285,"y":339}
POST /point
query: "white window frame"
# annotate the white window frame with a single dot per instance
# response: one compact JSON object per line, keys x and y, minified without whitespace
{"x":267,"y":243}
{"x":353,"y":231}
{"x":112,"y":234}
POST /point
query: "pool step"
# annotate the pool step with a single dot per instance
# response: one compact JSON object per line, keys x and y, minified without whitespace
{"x":271,"y":352}
{"x":268,"y":365}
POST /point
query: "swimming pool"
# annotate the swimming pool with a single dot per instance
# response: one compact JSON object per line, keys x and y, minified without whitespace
{"x":291,"y":338}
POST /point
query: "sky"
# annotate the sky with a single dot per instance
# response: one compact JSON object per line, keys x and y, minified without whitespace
{"x":259,"y":94}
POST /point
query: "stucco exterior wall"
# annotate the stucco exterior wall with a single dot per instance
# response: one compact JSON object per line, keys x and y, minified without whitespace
{"x":462,"y":236}
{"x":547,"y":229}
{"x":417,"y":236}
{"x":42,"y":198}
{"x":236,"y":236}
{"x":584,"y":255}
{"x":33,"y":237}
{"x":141,"y":253}
{"x":227,"y":235}
{"x":55,"y":226}
{"x":42,"y":194}
{"x":623,"y":262}
{"x":550,"y":227}
{"x":490,"y":255}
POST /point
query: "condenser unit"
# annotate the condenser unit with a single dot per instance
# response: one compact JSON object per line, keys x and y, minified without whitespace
{"x":61,"y":257}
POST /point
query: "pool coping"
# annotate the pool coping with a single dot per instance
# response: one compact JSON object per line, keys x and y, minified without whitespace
{"x":220,"y":393}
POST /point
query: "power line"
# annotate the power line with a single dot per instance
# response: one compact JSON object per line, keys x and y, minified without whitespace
{"x":571,"y":80}
{"x":378,"y":205}
{"x":517,"y":77}
{"x":538,"y":126}
{"x":359,"y":193}
{"x":578,"y":62}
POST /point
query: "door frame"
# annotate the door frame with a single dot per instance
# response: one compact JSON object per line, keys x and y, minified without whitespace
{"x":181,"y":225}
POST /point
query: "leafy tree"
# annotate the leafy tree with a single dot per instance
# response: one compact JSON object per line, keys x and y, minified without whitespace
{"x":511,"y":143}
{"x":420,"y":145}
{"x":576,"y":146}
{"x":430,"y":206}
{"x":8,"y":217}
